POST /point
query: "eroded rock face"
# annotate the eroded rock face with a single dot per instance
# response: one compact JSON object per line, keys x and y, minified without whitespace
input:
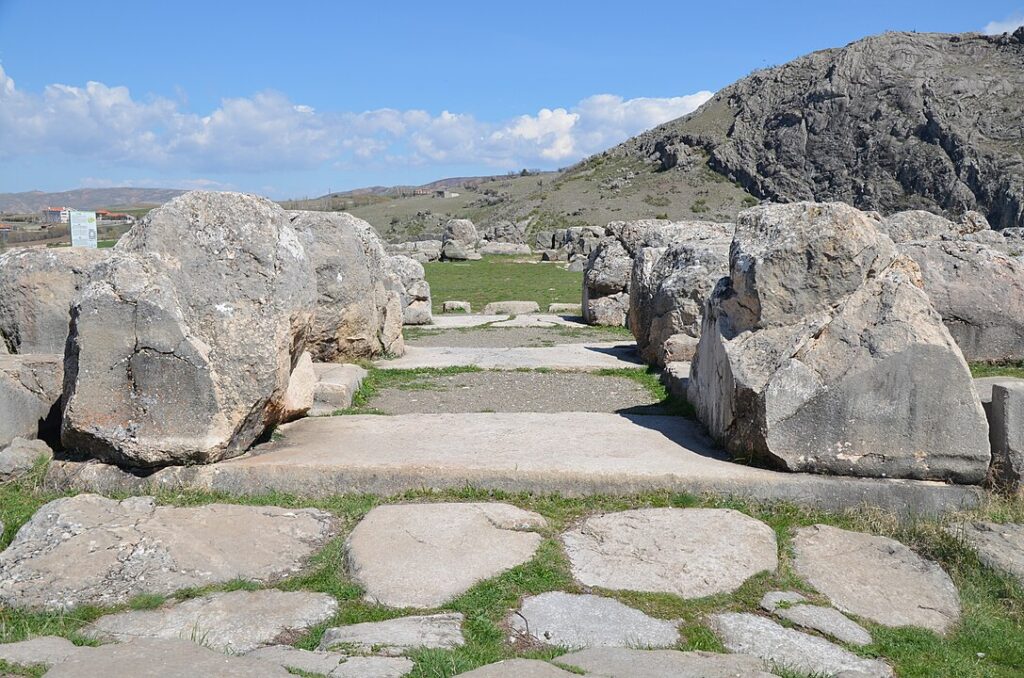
{"x":978,"y":291}
{"x":409,"y":280}
{"x":821,"y":353}
{"x":37,"y":286}
{"x":359,"y":311}
{"x":183,"y":341}
{"x":30,"y":388}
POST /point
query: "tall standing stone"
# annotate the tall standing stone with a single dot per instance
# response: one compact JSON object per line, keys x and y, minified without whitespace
{"x":183,"y":341}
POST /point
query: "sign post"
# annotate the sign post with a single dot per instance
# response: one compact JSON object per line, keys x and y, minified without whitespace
{"x":83,"y":229}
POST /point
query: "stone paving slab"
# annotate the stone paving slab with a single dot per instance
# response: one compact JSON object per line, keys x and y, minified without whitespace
{"x":999,"y":546}
{"x":333,"y":664}
{"x":542,"y":320}
{"x":798,"y":610}
{"x":397,"y":636}
{"x":583,"y":357}
{"x":456,"y":321}
{"x":576,"y":454}
{"x":621,"y":662}
{"x":518,"y":668}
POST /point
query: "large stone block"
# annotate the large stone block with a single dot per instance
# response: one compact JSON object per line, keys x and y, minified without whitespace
{"x":30,"y":388}
{"x":183,"y":342}
{"x":821,"y":353}
{"x":1006,"y":433}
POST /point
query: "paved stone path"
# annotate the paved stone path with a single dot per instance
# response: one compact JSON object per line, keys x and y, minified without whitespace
{"x":398,"y":636}
{"x":583,"y":357}
{"x":795,"y":608}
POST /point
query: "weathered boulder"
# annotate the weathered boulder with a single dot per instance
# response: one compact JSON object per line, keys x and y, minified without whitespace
{"x":610,"y":311}
{"x":37,"y":286}
{"x":511,"y":307}
{"x":504,"y":231}
{"x":358,"y":313}
{"x":667,"y":292}
{"x":20,"y":457}
{"x":821,"y":353}
{"x":461,"y":231}
{"x":409,"y":280}
{"x":301,"y":394}
{"x":183,"y":341}
{"x":420,"y":250}
{"x":456,"y":307}
{"x":1006,"y":433}
{"x":978,"y":291}
{"x":504,"y":248}
{"x":30,"y":389}
{"x":914,"y":225}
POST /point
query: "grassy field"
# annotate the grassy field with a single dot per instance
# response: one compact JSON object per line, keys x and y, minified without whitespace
{"x":1007,"y":370}
{"x":988,"y":643}
{"x":502,"y":278}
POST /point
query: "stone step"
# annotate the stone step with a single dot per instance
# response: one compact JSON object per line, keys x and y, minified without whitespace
{"x":581,"y":357}
{"x":573,"y":453}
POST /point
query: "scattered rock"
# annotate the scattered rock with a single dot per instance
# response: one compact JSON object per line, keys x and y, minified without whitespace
{"x":20,"y":457}
{"x":609,"y":311}
{"x":1006,"y":433}
{"x":358,"y":315}
{"x":456,"y":307}
{"x":301,"y":393}
{"x":182,"y":343}
{"x":336,"y":386}
{"x":420,"y":250}
{"x":518,"y":668}
{"x":876,"y":578}
{"x":461,"y":231}
{"x":397,"y":636}
{"x":30,"y":388}
{"x":796,"y":608}
{"x":796,"y":651}
{"x":89,"y":549}
{"x":333,"y":664}
{"x":565,"y":309}
{"x":576,"y":621}
{"x":820,"y":353}
{"x":691,"y":553}
{"x":619,"y":662}
{"x":37,"y":286}
{"x":999,"y":546}
{"x":409,"y":280}
{"x":422,"y":555}
{"x":511,"y":307}
{"x":505,"y":248}
{"x":162,"y":658}
{"x":234,"y":622}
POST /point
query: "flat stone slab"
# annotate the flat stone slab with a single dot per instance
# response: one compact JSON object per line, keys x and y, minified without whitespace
{"x":876,"y":578}
{"x":691,"y":553}
{"x":542,"y":320}
{"x":336,"y":386}
{"x":397,"y":636}
{"x":518,"y":668}
{"x":333,"y":664}
{"x":234,"y":622}
{"x":999,"y":546}
{"x":577,"y":621}
{"x":43,"y":650}
{"x":620,"y":662}
{"x":460,"y":320}
{"x":796,"y":608}
{"x":422,"y":555}
{"x":983,"y":385}
{"x":573,"y":453}
{"x":582,"y":357}
{"x":754,"y":635}
{"x":152,"y":658}
{"x":89,"y":549}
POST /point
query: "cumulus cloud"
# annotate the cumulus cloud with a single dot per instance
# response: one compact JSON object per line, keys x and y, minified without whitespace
{"x":1007,"y":25}
{"x":267,"y":131}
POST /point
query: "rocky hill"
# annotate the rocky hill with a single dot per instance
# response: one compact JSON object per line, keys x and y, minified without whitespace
{"x":890,"y":122}
{"x":85,"y":198}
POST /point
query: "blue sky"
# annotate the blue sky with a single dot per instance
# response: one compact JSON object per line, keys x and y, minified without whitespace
{"x":295,"y":98}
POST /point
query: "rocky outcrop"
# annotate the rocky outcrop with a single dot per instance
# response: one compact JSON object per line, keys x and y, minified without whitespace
{"x":821,"y":353}
{"x":37,"y":286}
{"x":914,"y":225}
{"x":182,"y":343}
{"x":891,"y":122}
{"x":409,"y":280}
{"x":978,"y":291}
{"x":358,"y":312}
{"x":30,"y":389}
{"x":505,"y":231}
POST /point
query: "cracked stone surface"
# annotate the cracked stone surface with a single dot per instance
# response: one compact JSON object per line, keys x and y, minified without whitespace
{"x":333,"y":664}
{"x":620,"y":662}
{"x":43,"y":650}
{"x":422,"y":555}
{"x":999,"y":546}
{"x":161,"y":658}
{"x":754,"y":635}
{"x":824,"y":619}
{"x":234,"y":622}
{"x":397,"y":636}
{"x":876,"y":578}
{"x":518,"y":668}
{"x":688,"y":552}
{"x":89,"y":549}
{"x":578,"y":621}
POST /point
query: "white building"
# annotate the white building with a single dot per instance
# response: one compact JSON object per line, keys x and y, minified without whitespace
{"x":57,"y":215}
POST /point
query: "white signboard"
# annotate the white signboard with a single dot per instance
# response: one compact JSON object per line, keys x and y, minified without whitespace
{"x":83,"y":229}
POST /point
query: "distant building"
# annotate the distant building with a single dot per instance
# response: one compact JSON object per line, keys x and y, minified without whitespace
{"x":421,"y":191}
{"x":446,"y":194}
{"x":57,"y":215}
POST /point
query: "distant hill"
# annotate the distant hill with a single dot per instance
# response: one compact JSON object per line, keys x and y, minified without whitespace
{"x":85,"y":198}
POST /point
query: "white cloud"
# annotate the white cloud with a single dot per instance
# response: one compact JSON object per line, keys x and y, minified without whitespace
{"x":267,"y":131}
{"x":1007,"y":25}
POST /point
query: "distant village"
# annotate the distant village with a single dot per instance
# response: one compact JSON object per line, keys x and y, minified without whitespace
{"x":51,"y":224}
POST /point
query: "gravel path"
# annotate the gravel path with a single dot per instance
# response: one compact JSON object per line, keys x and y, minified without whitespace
{"x":492,"y":391}
{"x":503,"y":337}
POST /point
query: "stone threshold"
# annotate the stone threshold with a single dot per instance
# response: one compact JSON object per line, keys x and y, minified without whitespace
{"x":573,"y":454}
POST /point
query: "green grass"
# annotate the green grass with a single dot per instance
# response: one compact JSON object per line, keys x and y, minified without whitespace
{"x":501,"y":278}
{"x":998,"y":370}
{"x":988,"y":643}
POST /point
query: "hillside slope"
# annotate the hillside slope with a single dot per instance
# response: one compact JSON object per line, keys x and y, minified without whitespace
{"x":85,"y":198}
{"x":890,"y":122}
